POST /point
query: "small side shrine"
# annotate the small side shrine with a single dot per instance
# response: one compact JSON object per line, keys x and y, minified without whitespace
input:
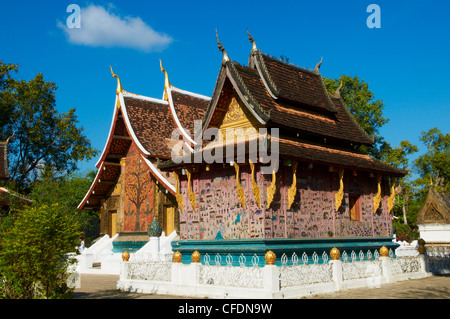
{"x":129,"y":191}
{"x":276,"y":169}
{"x":433,"y":219}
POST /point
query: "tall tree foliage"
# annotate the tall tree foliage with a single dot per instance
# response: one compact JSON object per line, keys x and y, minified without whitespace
{"x":434,"y":166}
{"x":42,"y":135}
{"x":33,"y":260}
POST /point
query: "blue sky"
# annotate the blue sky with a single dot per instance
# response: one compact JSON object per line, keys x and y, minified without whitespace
{"x":406,"y":61}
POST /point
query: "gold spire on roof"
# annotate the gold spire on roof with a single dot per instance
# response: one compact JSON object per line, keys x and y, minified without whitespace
{"x":225,"y":57}
{"x":166,"y":81}
{"x":119,"y":86}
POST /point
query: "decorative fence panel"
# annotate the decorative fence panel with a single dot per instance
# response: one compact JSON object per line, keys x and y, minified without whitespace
{"x":305,"y":275}
{"x":361,"y":269}
{"x":159,"y":271}
{"x":240,"y":276}
{"x":248,"y":277}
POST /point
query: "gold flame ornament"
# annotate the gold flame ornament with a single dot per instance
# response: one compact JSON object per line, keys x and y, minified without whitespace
{"x":339,"y":196}
{"x":377,"y":197}
{"x":255,"y":188}
{"x":293,"y":189}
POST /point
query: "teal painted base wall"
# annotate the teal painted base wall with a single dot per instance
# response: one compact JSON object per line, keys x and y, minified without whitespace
{"x":250,"y":247}
{"x":130,"y":246}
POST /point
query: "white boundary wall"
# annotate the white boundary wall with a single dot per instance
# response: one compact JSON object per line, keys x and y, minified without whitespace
{"x":270,"y":281}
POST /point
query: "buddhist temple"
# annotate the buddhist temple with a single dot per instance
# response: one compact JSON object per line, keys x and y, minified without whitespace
{"x":269,"y":162}
{"x":313,"y":192}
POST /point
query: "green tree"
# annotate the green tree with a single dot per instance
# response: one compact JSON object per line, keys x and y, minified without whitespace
{"x":33,"y":260}
{"x":42,"y":135}
{"x":67,"y":191}
{"x":434,"y":166}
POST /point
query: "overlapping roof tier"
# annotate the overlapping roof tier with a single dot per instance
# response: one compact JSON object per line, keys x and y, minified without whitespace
{"x":149,"y":123}
{"x":314,"y":125}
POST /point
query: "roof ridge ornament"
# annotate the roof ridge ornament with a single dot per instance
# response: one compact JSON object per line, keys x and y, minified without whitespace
{"x":225,"y":57}
{"x":254,"y":48}
{"x":337,"y":93}
{"x":119,"y":86}
{"x":166,"y":81}
{"x":316,"y":69}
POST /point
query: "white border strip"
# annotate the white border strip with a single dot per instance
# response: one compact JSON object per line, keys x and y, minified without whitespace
{"x":92,"y":185}
{"x":177,"y":121}
{"x":110,"y":133}
{"x":200,"y":96}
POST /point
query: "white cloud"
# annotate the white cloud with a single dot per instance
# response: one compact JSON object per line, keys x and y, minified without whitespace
{"x":100,"y":28}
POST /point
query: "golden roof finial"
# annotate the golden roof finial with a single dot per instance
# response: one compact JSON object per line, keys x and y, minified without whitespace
{"x":119,"y":86}
{"x":225,"y":57}
{"x":166,"y":81}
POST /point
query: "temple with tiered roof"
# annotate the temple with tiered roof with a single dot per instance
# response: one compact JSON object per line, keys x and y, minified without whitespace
{"x":293,"y":179}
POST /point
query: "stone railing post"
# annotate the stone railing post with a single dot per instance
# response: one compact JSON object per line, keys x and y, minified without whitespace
{"x":176,"y":268}
{"x":337,"y":268}
{"x":194,"y":269}
{"x":124,"y":265}
{"x":386,"y":265}
{"x":422,"y":255}
{"x":271,"y":279}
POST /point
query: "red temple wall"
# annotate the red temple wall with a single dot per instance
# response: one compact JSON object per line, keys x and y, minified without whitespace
{"x":219,"y":213}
